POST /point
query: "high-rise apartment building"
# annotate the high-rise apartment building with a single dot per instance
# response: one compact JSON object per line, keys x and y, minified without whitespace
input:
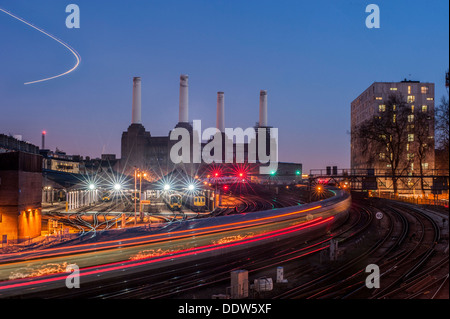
{"x":372,"y":102}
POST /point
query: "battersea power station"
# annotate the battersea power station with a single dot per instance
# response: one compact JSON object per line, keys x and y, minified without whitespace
{"x":155,"y":154}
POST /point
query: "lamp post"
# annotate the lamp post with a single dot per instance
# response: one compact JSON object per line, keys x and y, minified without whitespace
{"x":138,"y":173}
{"x":140,"y":193}
{"x":135,"y":189}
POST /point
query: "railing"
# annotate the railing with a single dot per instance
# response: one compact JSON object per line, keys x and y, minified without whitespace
{"x":416,"y":200}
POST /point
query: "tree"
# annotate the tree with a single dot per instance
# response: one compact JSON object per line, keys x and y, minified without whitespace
{"x":442,"y":123}
{"x":384,"y":138}
{"x":442,"y":129}
{"x":421,"y":125}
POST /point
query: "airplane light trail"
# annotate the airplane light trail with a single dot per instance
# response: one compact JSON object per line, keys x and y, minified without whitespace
{"x":75,"y":53}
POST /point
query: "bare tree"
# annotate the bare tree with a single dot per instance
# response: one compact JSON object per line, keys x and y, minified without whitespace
{"x":442,"y":130}
{"x":442,"y":123}
{"x":421,"y":124}
{"x":384,"y":138}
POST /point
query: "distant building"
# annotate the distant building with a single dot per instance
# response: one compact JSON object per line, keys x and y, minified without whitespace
{"x":15,"y":143}
{"x":419,"y":96}
{"x":60,"y":161}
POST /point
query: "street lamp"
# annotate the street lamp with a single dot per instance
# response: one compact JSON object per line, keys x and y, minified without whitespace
{"x":137,"y":173}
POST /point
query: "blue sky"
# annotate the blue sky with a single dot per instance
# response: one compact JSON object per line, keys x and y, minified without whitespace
{"x":312,"y":57}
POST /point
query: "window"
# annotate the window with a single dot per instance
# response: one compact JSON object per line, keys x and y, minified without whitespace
{"x":424,"y":90}
{"x":407,"y":147}
{"x":430,"y":98}
{"x":378,"y":98}
{"x":410,"y":118}
{"x":425,"y":165}
{"x":409,"y":89}
{"x":382,"y":156}
{"x":424,"y":108}
{"x":410,"y":156}
{"x":412,"y":108}
{"x":410,"y":137}
{"x":411,"y":98}
{"x":393,"y":89}
{"x":382,"y":108}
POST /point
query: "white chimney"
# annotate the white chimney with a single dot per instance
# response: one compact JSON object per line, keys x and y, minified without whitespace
{"x":263,"y":108}
{"x":136,"y":106}
{"x":184,"y":99}
{"x":220,"y":119}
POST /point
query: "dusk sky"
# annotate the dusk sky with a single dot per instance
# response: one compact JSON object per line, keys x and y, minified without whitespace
{"x":312,"y":57}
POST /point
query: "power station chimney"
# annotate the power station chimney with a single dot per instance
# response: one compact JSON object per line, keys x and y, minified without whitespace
{"x":263,"y":108}
{"x":220,"y":119}
{"x":184,"y":99}
{"x":136,"y":106}
{"x":43,"y":139}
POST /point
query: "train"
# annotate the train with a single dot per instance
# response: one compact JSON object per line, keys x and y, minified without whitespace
{"x":196,"y":203}
{"x":174,"y":201}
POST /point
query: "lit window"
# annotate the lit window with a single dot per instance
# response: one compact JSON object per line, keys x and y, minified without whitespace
{"x":424,"y":108}
{"x":382,"y":107}
{"x":410,"y":137}
{"x":424,"y":90}
{"x":410,"y":118}
{"x":409,"y":89}
{"x":425,"y":165}
{"x":378,"y":98}
{"x":382,"y":156}
{"x":407,"y":147}
{"x":412,"y":108}
{"x":430,"y":98}
{"x":393,"y":89}
{"x":411,"y":98}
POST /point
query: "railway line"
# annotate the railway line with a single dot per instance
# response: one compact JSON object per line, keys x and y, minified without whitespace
{"x":409,"y":244}
{"x":405,"y":252}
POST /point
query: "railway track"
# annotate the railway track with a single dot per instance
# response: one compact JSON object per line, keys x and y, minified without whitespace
{"x":406,"y":254}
